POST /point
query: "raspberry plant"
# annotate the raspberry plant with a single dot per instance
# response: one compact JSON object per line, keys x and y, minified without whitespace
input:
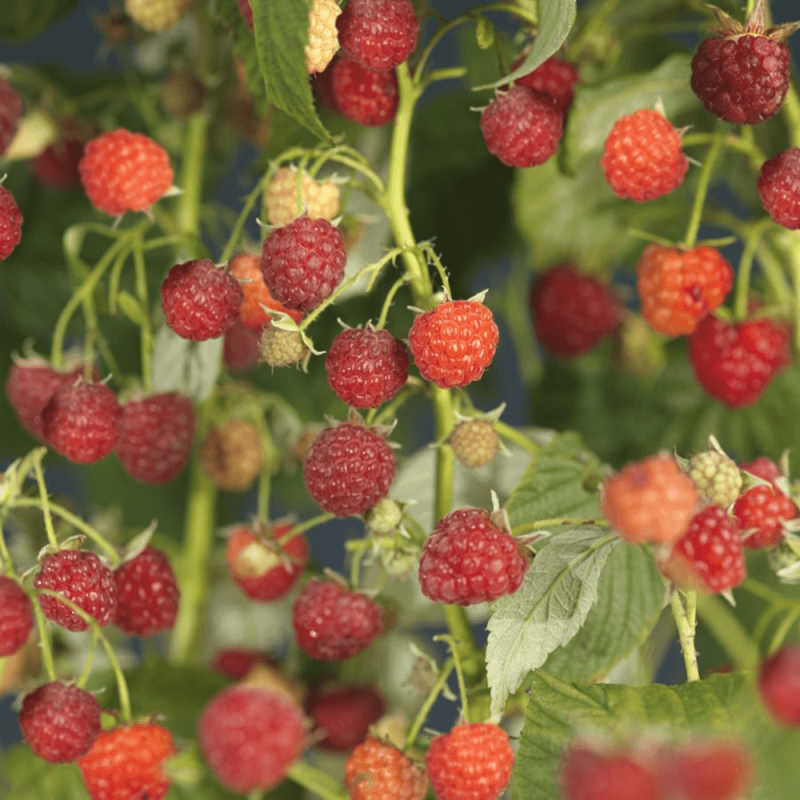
{"x":346,"y":350}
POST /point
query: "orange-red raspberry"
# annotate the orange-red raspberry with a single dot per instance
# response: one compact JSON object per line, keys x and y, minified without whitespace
{"x":364,"y":96}
{"x":378,"y":771}
{"x":10,"y":223}
{"x":779,"y":188}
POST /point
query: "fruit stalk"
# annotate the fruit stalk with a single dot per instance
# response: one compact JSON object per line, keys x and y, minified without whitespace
{"x":685,"y":614}
{"x":728,"y":631}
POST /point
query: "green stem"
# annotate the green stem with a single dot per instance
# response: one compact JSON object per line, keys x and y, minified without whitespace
{"x":686,"y":622}
{"x":728,"y":631}
{"x":44,"y":640}
{"x":87,"y":666}
{"x":389,"y":411}
{"x":791,"y":109}
{"x":772,"y":268}
{"x":188,"y":215}
{"x":531,"y":527}
{"x":462,"y":684}
{"x":444,"y":421}
{"x":518,"y":438}
{"x":387,"y":301}
{"x":740,"y":144}
{"x":422,"y":714}
{"x":767,"y":593}
{"x":594,"y":22}
{"x":44,"y":499}
{"x":317,"y":782}
{"x":743,"y":275}
{"x":241,"y":220}
{"x":305,"y":526}
{"x":144,"y":302}
{"x":703,"y":183}
{"x":783,"y":631}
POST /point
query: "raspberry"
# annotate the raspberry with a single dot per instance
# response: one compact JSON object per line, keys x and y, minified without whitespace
{"x":468,"y":559}
{"x":123,"y":171}
{"x":741,"y":78}
{"x":199,"y":300}
{"x":57,"y":165}
{"x":155,"y":437}
{"x":317,"y":200}
{"x":127,"y":762}
{"x":474,"y":442}
{"x":241,"y":351}
{"x":236,"y":662}
{"x":156,"y":15}
{"x":332,"y":623}
{"x":231,"y":455}
{"x":779,"y":685}
{"x":779,"y":188}
{"x":246,"y":10}
{"x":250,"y":737}
{"x":716,"y":476}
{"x":344,"y":714}
{"x":642,"y":157}
{"x":453,"y":344}
{"x":10,"y":224}
{"x":147,"y":594}
{"x":81,"y":578}
{"x":264,"y":567}
{"x":323,"y":41}
{"x":522,"y":127}
{"x":763,"y":468}
{"x":366,"y":367}
{"x":572,"y":312}
{"x":303,"y":262}
{"x":555,"y":77}
{"x":349,"y":469}
{"x":650,"y":500}
{"x":59,"y":722}
{"x":735,"y":363}
{"x":710,"y":771}
{"x":472,"y":762}
{"x":16,"y":617}
{"x":322,"y":84}
{"x":81,"y":421}
{"x":281,"y":348}
{"x":377,"y":771}
{"x":709,"y":555}
{"x":378,"y":34}
{"x":11,"y":108}
{"x":759,"y":513}
{"x":587,"y":775}
{"x":363,"y":96}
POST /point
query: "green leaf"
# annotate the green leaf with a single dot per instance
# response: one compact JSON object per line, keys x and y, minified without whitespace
{"x":23,"y":775}
{"x":484,"y":33}
{"x":21,"y":20}
{"x":180,"y":365}
{"x":281,"y":34}
{"x":549,"y":608}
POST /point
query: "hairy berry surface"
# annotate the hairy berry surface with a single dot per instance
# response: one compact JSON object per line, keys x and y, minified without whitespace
{"x":779,"y":188}
{"x":10,"y":223}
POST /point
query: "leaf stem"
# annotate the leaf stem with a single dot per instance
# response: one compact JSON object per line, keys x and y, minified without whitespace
{"x":43,"y":498}
{"x":517,"y":437}
{"x":422,"y":714}
{"x":462,"y":684}
{"x":703,"y":183}
{"x":188,"y":213}
{"x":728,"y":631}
{"x":387,"y":301}
{"x":44,"y":639}
{"x":146,"y":330}
{"x":685,"y":613}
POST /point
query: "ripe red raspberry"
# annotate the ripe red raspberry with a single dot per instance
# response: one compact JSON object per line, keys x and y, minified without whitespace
{"x":200,"y":300}
{"x":57,"y":165}
{"x":332,"y":623}
{"x":123,"y":171}
{"x":147,"y":594}
{"x":763,"y":468}
{"x":642,"y":156}
{"x":650,"y":500}
{"x":10,"y":224}
{"x":344,"y":713}
{"x":378,"y":34}
{"x":779,"y":685}
{"x":759,"y":513}
{"x":128,"y":762}
{"x":156,"y":15}
{"x":348,"y":469}
{"x":59,"y":722}
{"x":250,"y":737}
{"x":11,"y":108}
{"x":241,"y":350}
{"x":710,"y":771}
{"x":361,"y":95}
{"x":454,"y":343}
{"x":779,"y":188}
{"x":236,"y":662}
{"x":741,"y":78}
{"x":468,"y":559}
{"x":472,"y":762}
{"x":246,"y":10}
{"x":231,"y":455}
{"x":263,"y":567}
{"x":322,"y":84}
{"x":155,"y":437}
{"x":572,"y":312}
{"x":16,"y":617}
{"x":474,"y":442}
{"x":735,"y":363}
{"x":378,"y":771}
{"x":588,"y":775}
{"x":366,"y":367}
{"x":81,"y":421}
{"x":555,"y":77}
{"x":522,"y":127}
{"x":709,"y":556}
{"x":303,"y":262}
{"x":83,"y":579}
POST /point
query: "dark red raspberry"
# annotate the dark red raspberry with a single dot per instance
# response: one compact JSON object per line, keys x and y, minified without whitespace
{"x":16,"y":617}
{"x":332,"y":623}
{"x":344,"y":714}
{"x":348,"y":469}
{"x":779,"y":188}
{"x":11,"y":108}
{"x":59,"y":723}
{"x":155,"y":437}
{"x":709,"y":771}
{"x":147,"y":594}
{"x":57,"y":165}
{"x":643,"y":157}
{"x":472,"y":762}
{"x":322,"y":83}
{"x":246,"y":11}
{"x":741,"y":78}
{"x":250,"y":737}
{"x":378,"y":771}
{"x":735,"y":363}
{"x":763,"y":468}
{"x":83,"y":579}
{"x":454,"y":343}
{"x":361,"y":95}
{"x":303,"y":262}
{"x":779,"y":685}
{"x":759,"y":513}
{"x":81,"y":421}
{"x":241,"y":350}
{"x":10,"y":223}
{"x":555,"y":77}
{"x":709,"y":556}
{"x":236,"y":662}
{"x":522,"y":127}
{"x":263,"y":567}
{"x":366,"y":367}
{"x":572,"y":312}
{"x":379,"y":34}
{"x":200,"y":300}
{"x":468,"y":559}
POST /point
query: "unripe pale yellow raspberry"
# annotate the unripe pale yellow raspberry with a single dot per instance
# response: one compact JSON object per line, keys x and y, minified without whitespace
{"x":323,"y":38}
{"x":280,"y":200}
{"x":156,"y":15}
